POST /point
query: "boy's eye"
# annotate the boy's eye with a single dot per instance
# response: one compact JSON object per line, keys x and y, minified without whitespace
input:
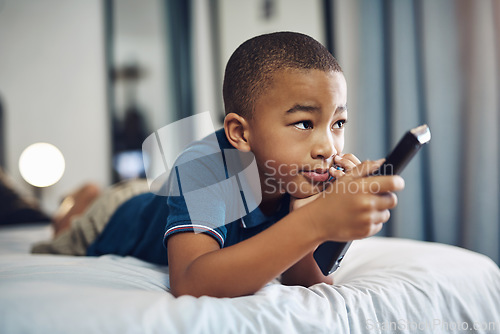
{"x":304,"y":125}
{"x":339,"y":124}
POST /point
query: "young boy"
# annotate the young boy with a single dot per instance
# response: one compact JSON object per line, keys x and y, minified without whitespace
{"x":286,"y":102}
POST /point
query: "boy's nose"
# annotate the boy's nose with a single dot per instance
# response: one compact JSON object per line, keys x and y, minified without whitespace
{"x":323,"y":148}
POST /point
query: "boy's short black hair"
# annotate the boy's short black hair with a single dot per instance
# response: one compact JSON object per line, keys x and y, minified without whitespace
{"x":250,"y":68}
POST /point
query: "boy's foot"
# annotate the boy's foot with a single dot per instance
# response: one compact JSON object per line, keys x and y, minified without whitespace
{"x":74,"y":205}
{"x":17,"y":208}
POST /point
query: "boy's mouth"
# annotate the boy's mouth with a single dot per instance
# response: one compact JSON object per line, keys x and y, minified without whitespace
{"x":317,"y":175}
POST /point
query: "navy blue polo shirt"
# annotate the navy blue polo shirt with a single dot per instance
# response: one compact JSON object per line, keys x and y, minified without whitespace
{"x":142,"y":225}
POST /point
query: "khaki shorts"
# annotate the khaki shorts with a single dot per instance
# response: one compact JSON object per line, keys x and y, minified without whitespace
{"x":87,"y":227}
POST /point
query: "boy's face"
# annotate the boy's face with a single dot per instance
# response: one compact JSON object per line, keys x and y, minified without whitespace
{"x":296,"y":130}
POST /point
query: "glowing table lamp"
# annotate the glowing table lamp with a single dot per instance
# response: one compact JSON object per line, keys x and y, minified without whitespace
{"x":41,"y":165}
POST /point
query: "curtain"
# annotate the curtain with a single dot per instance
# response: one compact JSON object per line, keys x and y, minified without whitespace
{"x":409,"y":62}
{"x":178,"y":43}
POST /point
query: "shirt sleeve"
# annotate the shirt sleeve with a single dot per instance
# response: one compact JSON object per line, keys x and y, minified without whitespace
{"x":197,"y":194}
{"x":207,"y":190}
{"x":179,"y":221}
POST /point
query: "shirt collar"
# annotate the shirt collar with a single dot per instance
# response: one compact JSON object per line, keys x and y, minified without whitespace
{"x":256,"y":217}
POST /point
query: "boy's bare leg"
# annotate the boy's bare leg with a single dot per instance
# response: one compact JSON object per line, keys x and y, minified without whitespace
{"x":73,"y":206}
{"x":81,"y":230}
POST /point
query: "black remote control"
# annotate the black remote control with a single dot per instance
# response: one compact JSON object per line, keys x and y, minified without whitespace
{"x":330,"y":254}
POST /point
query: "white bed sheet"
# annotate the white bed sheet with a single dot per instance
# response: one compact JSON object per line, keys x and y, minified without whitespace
{"x":384,"y":286}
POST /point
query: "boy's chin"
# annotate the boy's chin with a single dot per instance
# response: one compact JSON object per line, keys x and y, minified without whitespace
{"x":305,"y":193}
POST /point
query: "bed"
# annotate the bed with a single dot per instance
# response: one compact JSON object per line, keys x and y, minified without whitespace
{"x":385,"y":285}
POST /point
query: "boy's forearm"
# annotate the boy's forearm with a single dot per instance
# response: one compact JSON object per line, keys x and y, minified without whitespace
{"x":305,"y":272}
{"x":246,"y":267}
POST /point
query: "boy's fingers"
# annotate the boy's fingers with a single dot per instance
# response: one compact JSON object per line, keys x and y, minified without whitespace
{"x":386,"y":201}
{"x":351,"y":157}
{"x":335,"y":173}
{"x":377,"y":228}
{"x":384,"y":184}
{"x":384,"y":216}
{"x":346,"y":161}
{"x":377,"y":219}
{"x":366,"y":168}
{"x":380,"y":217}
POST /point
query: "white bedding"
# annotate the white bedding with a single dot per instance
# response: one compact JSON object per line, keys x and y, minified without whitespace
{"x":384,"y":286}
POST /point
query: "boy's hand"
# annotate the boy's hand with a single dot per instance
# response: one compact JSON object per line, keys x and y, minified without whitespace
{"x":296,"y":203}
{"x":346,"y":161}
{"x":355,"y":205}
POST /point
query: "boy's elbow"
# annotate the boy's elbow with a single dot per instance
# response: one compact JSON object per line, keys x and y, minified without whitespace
{"x":321,"y":279}
{"x":175,"y":291}
{"x":179,"y":290}
{"x":307,"y":281}
{"x":186,"y":289}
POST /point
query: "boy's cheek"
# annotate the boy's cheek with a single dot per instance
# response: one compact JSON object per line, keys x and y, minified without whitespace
{"x":300,"y":189}
{"x":273,"y":168}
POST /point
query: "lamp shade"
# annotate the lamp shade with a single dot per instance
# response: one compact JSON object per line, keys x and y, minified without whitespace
{"x":41,"y":164}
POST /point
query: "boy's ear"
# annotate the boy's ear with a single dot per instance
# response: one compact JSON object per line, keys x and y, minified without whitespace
{"x":237,"y":131}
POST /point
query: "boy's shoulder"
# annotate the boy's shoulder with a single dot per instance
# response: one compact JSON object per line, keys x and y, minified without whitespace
{"x":214,"y":143}
{"x":204,"y":163}
{"x":210,"y":175}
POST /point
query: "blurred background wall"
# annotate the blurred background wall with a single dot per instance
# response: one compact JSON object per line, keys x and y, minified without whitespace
{"x":96,"y":77}
{"x":53,"y":88}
